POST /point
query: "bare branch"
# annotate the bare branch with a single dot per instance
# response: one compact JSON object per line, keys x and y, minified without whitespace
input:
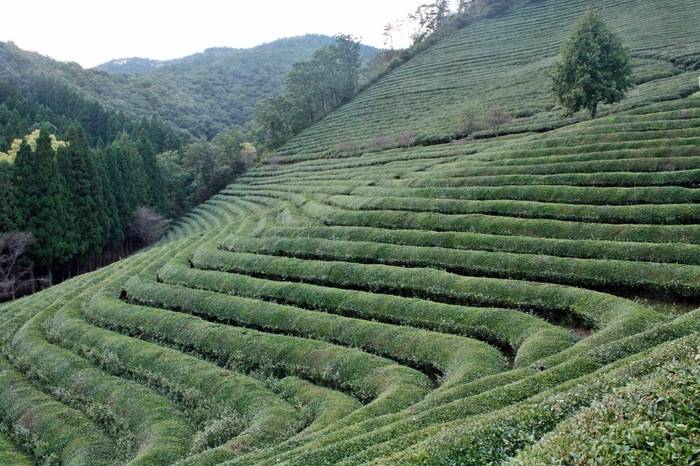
{"x":148,"y":225}
{"x":12,"y":247}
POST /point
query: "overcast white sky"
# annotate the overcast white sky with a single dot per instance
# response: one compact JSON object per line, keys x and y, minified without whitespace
{"x":91,"y":32}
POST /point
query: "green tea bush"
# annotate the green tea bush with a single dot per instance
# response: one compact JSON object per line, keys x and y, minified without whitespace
{"x":46,"y":428}
{"x":456,"y":358}
{"x":584,"y":249}
{"x":654,"y":278}
{"x":653,"y":420}
{"x":593,"y":308}
{"x":366,"y":376}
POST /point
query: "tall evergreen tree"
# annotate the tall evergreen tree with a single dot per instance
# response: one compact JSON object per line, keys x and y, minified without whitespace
{"x":7,"y":198}
{"x":81,"y":181}
{"x":41,"y":201}
{"x":122,"y":184}
{"x":154,"y":178}
{"x":71,"y":233}
{"x":112,"y":232}
{"x":136,"y":171}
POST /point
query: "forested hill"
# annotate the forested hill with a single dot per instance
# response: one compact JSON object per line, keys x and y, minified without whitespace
{"x":204,"y":93}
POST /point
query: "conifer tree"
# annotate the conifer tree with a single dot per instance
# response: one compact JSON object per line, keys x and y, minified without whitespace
{"x":154,"y":178}
{"x":41,"y":201}
{"x":135,"y":171}
{"x":7,"y":198}
{"x":594,"y":68}
{"x":112,"y":234}
{"x":81,"y":181}
{"x":122,"y":185}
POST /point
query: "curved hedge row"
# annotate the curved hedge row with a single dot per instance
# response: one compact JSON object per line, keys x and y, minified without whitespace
{"x":581,"y":248}
{"x":489,"y":224}
{"x":595,"y":308}
{"x":212,"y":391}
{"x":394,"y":294}
{"x":683,"y":178}
{"x":654,"y":214}
{"x":51,"y":430}
{"x":529,"y":337}
{"x":161,"y":431}
{"x":669,"y":279}
{"x":380,"y":382}
{"x":456,"y":359}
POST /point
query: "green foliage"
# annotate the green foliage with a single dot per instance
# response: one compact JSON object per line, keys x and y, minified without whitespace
{"x":595,"y":68}
{"x":7,"y":197}
{"x":202,"y":168}
{"x":426,"y":94}
{"x":51,"y":430}
{"x":202,"y":94}
{"x":42,"y":202}
{"x":80,"y":177}
{"x":651,"y":421}
{"x":313,"y":89}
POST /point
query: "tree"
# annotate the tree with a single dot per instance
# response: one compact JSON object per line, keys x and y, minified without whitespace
{"x":594,"y":68}
{"x":154,"y":178}
{"x":429,"y":18}
{"x":313,"y":89}
{"x":122,"y":186}
{"x":41,"y":203}
{"x":496,"y":7}
{"x":7,"y":197}
{"x":496,"y":117}
{"x":12,"y":247}
{"x":148,"y":225}
{"x":78,"y":170}
{"x":469,"y":120}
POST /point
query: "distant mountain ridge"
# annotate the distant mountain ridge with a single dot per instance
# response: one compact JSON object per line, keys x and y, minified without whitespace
{"x":203,"y":94}
{"x":131,"y":65}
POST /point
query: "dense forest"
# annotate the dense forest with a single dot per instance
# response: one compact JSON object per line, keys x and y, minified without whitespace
{"x":105,"y":183}
{"x":82,"y":186}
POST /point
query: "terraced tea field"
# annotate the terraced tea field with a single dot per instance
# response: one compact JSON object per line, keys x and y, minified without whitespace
{"x":454,"y":303}
{"x":441,"y":304}
{"x":504,"y":63}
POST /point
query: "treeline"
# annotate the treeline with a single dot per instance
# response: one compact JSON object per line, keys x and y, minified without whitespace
{"x":334,"y":74}
{"x":78,"y":204}
{"x":81,"y":186}
{"x":201,"y":168}
{"x":50,"y":101}
{"x":202,"y":94}
{"x":312,"y":90}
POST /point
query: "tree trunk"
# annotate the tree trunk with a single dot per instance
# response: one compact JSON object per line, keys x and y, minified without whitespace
{"x":594,"y":111}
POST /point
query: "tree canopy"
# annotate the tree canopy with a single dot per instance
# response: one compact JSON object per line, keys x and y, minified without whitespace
{"x":313,"y":89}
{"x":594,"y":67}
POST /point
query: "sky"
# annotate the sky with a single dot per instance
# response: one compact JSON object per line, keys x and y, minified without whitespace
{"x":91,"y":32}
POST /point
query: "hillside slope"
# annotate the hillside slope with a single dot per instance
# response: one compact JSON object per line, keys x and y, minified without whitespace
{"x":450,"y":303}
{"x":502,"y":63}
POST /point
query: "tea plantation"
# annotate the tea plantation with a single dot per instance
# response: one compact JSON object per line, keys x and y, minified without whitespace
{"x":528,"y":298}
